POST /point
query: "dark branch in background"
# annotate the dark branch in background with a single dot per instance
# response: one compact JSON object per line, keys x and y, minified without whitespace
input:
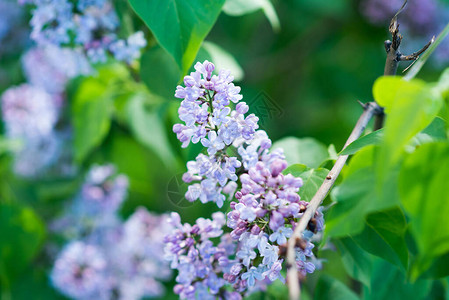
{"x":394,"y":56}
{"x":369,"y":110}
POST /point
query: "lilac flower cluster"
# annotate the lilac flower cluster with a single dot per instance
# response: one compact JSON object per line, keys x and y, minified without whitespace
{"x":208,"y":119}
{"x":268,"y":205}
{"x":51,"y":67}
{"x":13,"y":32}
{"x":264,"y":218}
{"x":30,"y":114}
{"x":107,"y":258}
{"x":201,"y":265}
{"x":89,"y":24}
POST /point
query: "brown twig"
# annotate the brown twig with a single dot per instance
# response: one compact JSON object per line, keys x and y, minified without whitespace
{"x":394,"y":56}
{"x":415,"y":55}
{"x":370,"y":109}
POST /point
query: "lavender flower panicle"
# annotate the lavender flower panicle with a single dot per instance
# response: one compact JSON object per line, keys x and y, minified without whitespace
{"x":200,"y":264}
{"x":80,"y":271}
{"x":209,"y":119}
{"x":51,"y":67}
{"x":125,"y":259}
{"x":268,"y":206}
{"x":63,"y":23}
{"x":30,"y":114}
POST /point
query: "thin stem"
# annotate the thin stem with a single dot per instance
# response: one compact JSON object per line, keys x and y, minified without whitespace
{"x":420,"y":62}
{"x":370,"y":109}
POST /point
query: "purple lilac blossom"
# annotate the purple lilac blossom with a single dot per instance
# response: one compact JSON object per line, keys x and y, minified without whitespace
{"x":264,"y":218}
{"x":50,"y":67}
{"x":142,"y":264}
{"x":30,"y":114}
{"x":29,"y":111}
{"x":209,"y":119}
{"x":200,"y":263}
{"x":11,"y":16}
{"x":91,"y":25}
{"x":268,"y":206}
{"x":132,"y":251}
{"x":80,"y":271}
{"x":103,"y":190}
{"x":94,"y":209}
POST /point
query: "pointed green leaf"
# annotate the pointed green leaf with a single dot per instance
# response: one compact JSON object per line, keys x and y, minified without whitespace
{"x":243,"y":7}
{"x":423,"y":183}
{"x":411,"y":106}
{"x":384,"y":236}
{"x":92,"y":110}
{"x":307,"y":151}
{"x":388,"y":282}
{"x":356,"y":261}
{"x":373,"y":138}
{"x":329,"y":288}
{"x":312,"y":179}
{"x":146,"y":124}
{"x":161,"y":75}
{"x":179,"y":26}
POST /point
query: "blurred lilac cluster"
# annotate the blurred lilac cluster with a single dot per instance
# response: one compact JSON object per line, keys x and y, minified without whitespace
{"x":90,"y":25}
{"x":13,"y":32}
{"x":419,"y":21}
{"x":107,"y":258}
{"x":31,"y":111}
{"x":51,"y":67}
{"x":30,"y":115}
{"x":268,"y":205}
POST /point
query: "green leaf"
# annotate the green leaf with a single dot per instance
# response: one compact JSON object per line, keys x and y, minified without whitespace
{"x":307,"y":151}
{"x":385,"y":90}
{"x":22,"y":234}
{"x":221,"y":58}
{"x":93,"y":105}
{"x":439,"y":268}
{"x":146,"y":124}
{"x":384,"y":236}
{"x":179,"y":26}
{"x":312,"y":179}
{"x":159,"y":72}
{"x":423,"y":183}
{"x":329,"y":288}
{"x":356,"y":262}
{"x":411,"y":106}
{"x":356,"y":196}
{"x":443,"y":84}
{"x":92,"y":110}
{"x":437,"y":129}
{"x":373,"y":138}
{"x":243,"y":7}
{"x":388,"y":282}
{"x":278,"y":290}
